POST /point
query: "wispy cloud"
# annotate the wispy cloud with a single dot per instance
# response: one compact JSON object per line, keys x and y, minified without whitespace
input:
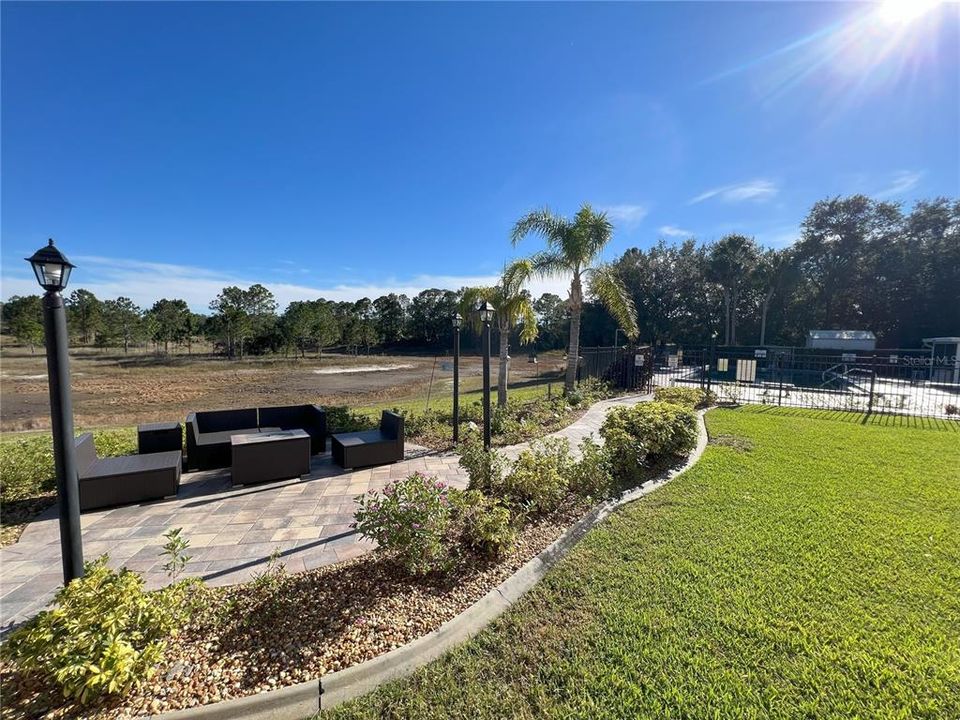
{"x":629,"y":216}
{"x":146,"y":282}
{"x":754,"y":190}
{"x":900,"y":182}
{"x":674,"y":231}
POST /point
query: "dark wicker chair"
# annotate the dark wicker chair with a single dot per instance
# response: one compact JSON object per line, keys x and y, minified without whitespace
{"x":126,"y":479}
{"x":209,"y":433}
{"x":370,"y":447}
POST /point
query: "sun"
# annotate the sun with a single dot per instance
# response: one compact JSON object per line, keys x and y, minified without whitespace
{"x":901,"y":12}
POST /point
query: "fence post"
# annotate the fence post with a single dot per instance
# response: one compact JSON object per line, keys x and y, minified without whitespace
{"x":780,"y":386}
{"x":873,"y":380}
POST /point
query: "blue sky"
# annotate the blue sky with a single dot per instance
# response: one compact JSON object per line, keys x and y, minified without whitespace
{"x":350,"y":150}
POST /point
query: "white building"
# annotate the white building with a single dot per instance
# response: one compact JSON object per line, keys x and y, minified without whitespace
{"x":944,"y":358}
{"x":843,"y":340}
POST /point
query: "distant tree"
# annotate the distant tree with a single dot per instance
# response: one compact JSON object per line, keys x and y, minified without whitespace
{"x":324,"y":330}
{"x":552,"y":320}
{"x":573,"y":249}
{"x":429,"y":317}
{"x":171,"y":322}
{"x":242,"y":314}
{"x":122,"y":322}
{"x":366,"y":329}
{"x":732,"y":262}
{"x":773,"y":272}
{"x":389,"y":316}
{"x":514,"y":307}
{"x":85,"y":314}
{"x":296,"y":325}
{"x":23,"y":318}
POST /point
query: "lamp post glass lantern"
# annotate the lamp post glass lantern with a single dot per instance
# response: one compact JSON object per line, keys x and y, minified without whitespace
{"x":456,"y":321}
{"x":52,"y":270}
{"x":486,"y":312}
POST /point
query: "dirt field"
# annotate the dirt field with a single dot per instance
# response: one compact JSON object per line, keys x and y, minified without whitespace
{"x":113,"y":390}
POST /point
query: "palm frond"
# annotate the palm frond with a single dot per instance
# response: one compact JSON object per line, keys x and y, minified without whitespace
{"x":549,"y":263}
{"x":541,"y":222}
{"x":470,"y":297}
{"x":515,"y":276}
{"x":605,"y":285}
{"x":528,"y":318}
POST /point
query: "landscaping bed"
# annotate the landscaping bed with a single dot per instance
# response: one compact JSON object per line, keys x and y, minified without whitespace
{"x":440,"y":550}
{"x":300,"y":627}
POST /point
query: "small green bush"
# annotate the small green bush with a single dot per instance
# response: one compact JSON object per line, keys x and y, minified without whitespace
{"x":484,"y":525}
{"x":106,"y":634}
{"x":341,"y":419}
{"x":485,"y":468}
{"x":642,"y":435}
{"x":690,"y":397}
{"x":592,"y":475}
{"x":538,"y":480}
{"x":409,"y":518}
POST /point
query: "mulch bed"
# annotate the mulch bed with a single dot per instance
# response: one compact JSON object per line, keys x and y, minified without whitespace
{"x":17,"y":513}
{"x":285,"y":629}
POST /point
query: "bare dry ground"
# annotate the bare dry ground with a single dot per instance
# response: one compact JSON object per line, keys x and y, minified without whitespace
{"x":111,"y":389}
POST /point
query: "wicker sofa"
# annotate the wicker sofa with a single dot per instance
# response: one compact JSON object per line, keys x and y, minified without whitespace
{"x":125,"y":479}
{"x":209,"y":433}
{"x":370,"y":447}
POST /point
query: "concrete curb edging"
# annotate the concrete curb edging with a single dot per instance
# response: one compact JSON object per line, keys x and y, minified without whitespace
{"x":303,"y":700}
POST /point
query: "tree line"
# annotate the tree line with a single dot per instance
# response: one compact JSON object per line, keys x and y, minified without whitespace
{"x":857,"y":263}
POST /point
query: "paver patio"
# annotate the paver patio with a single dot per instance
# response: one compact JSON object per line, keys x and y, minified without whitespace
{"x":233,"y":531}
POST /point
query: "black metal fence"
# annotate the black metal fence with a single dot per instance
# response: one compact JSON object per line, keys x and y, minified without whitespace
{"x":626,"y":368}
{"x":901,"y":381}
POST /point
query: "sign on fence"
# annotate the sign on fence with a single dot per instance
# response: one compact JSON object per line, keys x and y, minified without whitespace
{"x":759,"y":353}
{"x":638,"y":360}
{"x":746,"y":370}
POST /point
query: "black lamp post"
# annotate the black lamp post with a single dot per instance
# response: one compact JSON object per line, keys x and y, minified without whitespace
{"x":53,"y":271}
{"x":485,"y":310}
{"x":457,"y":321}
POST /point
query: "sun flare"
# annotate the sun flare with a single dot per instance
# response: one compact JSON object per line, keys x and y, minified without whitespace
{"x":900,"y":12}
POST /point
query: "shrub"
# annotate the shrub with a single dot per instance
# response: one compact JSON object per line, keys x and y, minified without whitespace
{"x":408,"y":518}
{"x":485,"y":468}
{"x":484,"y":524}
{"x":539,"y":477}
{"x":592,"y":475}
{"x":341,"y":419}
{"x":690,"y":397}
{"x":641,"y":435}
{"x":105,"y":636}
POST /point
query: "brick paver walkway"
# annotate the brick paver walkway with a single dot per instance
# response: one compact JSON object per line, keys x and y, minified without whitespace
{"x":233,"y":531}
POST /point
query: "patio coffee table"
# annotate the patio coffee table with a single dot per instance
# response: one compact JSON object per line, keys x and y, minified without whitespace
{"x":265,"y":456}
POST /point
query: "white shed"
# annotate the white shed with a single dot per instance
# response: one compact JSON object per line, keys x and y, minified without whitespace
{"x":845,"y":340}
{"x":944,"y":358}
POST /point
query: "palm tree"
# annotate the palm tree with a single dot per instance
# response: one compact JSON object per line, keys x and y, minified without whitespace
{"x":514,"y":307}
{"x":573,"y":248}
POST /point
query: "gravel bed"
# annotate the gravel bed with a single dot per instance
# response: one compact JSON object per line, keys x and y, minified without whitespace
{"x":286,"y":629}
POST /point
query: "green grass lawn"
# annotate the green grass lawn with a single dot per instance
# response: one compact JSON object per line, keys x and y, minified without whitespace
{"x":815,"y":574}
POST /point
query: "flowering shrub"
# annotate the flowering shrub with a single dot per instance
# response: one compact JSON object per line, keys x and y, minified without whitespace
{"x":539,"y":477}
{"x":690,"y":397}
{"x":408,"y":518}
{"x":484,"y":524}
{"x":641,"y":435}
{"x":105,"y":636}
